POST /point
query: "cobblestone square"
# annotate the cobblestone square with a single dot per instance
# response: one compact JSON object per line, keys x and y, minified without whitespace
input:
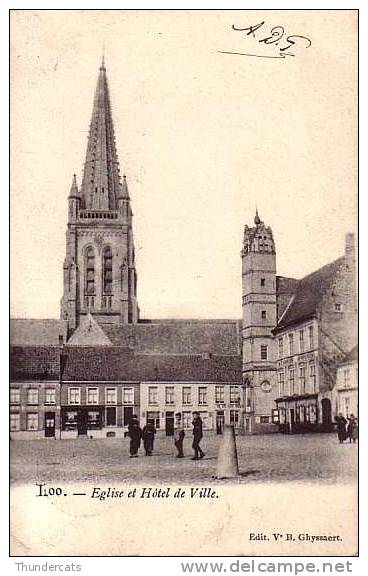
{"x":316,"y":458}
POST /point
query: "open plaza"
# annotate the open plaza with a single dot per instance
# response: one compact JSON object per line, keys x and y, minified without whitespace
{"x":264,"y":458}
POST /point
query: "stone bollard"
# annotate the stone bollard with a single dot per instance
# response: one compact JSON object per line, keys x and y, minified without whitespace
{"x":227,"y":459}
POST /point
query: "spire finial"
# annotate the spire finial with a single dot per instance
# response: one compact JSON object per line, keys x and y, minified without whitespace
{"x":102,"y":67}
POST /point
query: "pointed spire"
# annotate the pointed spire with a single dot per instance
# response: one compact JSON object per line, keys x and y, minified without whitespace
{"x":124,"y":192}
{"x":257,"y":219}
{"x":74,"y":192}
{"x":101,"y":177}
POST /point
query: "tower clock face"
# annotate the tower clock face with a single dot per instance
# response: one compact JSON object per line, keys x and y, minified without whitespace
{"x":266,"y":386}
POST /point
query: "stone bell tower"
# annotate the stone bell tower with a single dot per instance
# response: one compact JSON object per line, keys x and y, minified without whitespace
{"x":99,"y":268}
{"x":259,"y":318}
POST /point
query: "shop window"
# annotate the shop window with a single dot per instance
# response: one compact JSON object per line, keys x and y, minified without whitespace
{"x":187,"y":420}
{"x":32,"y":421}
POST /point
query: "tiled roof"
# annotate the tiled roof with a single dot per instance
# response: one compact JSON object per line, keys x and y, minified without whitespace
{"x":30,"y":332}
{"x":36,"y":362}
{"x":285,"y":290}
{"x":116,"y":363}
{"x":221,"y":337}
{"x":309,"y":293}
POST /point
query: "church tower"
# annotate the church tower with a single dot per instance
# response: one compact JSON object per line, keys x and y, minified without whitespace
{"x":99,"y":268}
{"x":259,"y":318}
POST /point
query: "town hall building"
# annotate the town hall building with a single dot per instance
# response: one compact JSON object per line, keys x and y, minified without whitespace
{"x":89,"y":372}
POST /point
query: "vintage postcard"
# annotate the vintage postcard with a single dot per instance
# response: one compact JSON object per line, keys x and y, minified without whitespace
{"x":184,"y":345}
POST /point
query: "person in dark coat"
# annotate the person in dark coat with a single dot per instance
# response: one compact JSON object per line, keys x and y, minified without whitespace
{"x":135,"y":435}
{"x":341,"y":428}
{"x":148,"y":435}
{"x":179,"y":435}
{"x":352,"y":428}
{"x":197,"y":436}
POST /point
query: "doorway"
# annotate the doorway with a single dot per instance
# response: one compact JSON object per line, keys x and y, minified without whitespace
{"x":169,"y":424}
{"x":49,"y":424}
{"x":326,"y":415}
{"x":82,"y":422}
{"x":220,"y":421}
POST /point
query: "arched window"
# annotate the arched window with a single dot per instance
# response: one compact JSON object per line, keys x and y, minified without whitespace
{"x":107,"y":270}
{"x":90,"y":271}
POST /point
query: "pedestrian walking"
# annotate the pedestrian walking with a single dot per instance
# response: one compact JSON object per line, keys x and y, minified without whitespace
{"x":179,"y":435}
{"x":135,"y":435}
{"x":352,"y":428}
{"x":341,"y":428}
{"x":148,"y":435}
{"x":197,"y":436}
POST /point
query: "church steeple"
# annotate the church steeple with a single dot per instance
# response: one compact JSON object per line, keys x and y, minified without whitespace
{"x":99,"y":269}
{"x":101,"y":178}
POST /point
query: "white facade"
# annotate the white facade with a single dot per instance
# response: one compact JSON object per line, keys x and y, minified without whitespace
{"x":346,"y":389}
{"x":217,"y":403}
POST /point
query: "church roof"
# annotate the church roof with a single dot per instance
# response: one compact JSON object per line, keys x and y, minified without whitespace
{"x":221,"y":337}
{"x":44,"y":332}
{"x":122,"y":364}
{"x":308,"y":295}
{"x":101,"y":184}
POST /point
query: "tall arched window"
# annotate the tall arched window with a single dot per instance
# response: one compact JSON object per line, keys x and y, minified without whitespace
{"x":107,"y":270}
{"x":90,"y":271}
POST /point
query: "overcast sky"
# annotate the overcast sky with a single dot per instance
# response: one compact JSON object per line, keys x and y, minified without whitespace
{"x":203,"y":137}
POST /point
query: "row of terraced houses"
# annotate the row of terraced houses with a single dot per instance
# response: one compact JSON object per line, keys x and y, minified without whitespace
{"x":289,"y":364}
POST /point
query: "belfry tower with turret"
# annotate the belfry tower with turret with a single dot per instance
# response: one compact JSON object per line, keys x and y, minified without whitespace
{"x":259,"y":318}
{"x":99,"y":269}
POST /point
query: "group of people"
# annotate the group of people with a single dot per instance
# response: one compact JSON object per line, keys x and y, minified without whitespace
{"x":347,"y":428}
{"x":147,"y":434}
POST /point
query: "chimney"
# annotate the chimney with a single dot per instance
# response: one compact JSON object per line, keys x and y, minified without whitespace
{"x":350,"y":245}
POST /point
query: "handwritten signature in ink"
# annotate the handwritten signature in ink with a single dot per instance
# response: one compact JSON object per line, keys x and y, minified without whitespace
{"x":275,"y":37}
